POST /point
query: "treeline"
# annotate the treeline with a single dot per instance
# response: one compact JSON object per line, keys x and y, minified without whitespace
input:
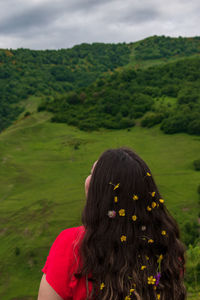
{"x":25,"y":72}
{"x":158,"y":47}
{"x":55,"y":73}
{"x":118,"y":100}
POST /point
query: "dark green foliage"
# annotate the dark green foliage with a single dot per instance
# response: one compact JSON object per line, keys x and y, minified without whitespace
{"x":81,"y":86}
{"x":185,"y":118}
{"x":158,"y":47}
{"x":176,"y":123}
{"x":117,"y":100}
{"x":196,"y":164}
{"x":198,"y":190}
{"x":189,"y":94}
{"x":25,"y":72}
{"x":27,"y":114}
{"x":190,"y":233}
{"x":95,"y":108}
{"x":8,"y":114}
{"x":17,"y":251}
{"x":152,"y":119}
{"x":76,"y":146}
{"x":194,"y":126}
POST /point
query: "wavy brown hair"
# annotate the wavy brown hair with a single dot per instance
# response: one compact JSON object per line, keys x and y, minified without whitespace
{"x":116,"y":264}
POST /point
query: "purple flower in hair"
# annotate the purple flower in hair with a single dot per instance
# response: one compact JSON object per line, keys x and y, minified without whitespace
{"x":157,"y":277}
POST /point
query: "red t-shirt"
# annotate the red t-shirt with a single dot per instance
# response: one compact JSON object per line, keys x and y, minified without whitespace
{"x":62,"y":263}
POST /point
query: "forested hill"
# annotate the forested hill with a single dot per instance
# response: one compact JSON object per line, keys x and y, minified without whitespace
{"x":54,"y":73}
{"x":168,"y":94}
{"x":158,"y":47}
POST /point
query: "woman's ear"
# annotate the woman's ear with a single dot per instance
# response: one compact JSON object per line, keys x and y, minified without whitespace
{"x":87,"y":184}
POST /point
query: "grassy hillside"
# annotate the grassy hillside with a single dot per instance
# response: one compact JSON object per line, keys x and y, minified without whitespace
{"x":118,"y":100}
{"x":25,"y":72}
{"x":43,"y":167}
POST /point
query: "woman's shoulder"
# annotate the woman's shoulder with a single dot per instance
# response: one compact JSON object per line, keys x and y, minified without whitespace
{"x":64,"y":245}
{"x":72,"y":232}
{"x":69,"y":236}
{"x":60,"y":263}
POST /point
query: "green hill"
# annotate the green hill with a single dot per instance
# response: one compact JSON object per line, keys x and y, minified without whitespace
{"x":43,"y":164}
{"x":118,"y":100}
{"x":25,"y":72}
{"x":43,"y":168}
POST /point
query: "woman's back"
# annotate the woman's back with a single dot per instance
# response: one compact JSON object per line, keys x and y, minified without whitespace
{"x":129,"y":247}
{"x":131,"y":244}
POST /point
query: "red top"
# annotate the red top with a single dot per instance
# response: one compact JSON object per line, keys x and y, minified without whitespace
{"x":62,"y":263}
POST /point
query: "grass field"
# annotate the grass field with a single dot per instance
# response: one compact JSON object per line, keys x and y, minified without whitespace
{"x":43,"y":166}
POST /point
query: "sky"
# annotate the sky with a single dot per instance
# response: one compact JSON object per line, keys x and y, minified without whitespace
{"x":56,"y":24}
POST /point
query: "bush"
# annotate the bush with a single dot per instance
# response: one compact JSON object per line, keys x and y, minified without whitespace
{"x":17,"y":251}
{"x":190,"y":233}
{"x":194,"y":127}
{"x":175,"y":124}
{"x":41,"y":107}
{"x":88,"y":125}
{"x":27,"y":114}
{"x":198,"y":189}
{"x":126,"y":123}
{"x":196,"y":164}
{"x":152,"y":119}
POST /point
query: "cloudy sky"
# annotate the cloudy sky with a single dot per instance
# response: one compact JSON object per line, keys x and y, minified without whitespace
{"x":55,"y":24}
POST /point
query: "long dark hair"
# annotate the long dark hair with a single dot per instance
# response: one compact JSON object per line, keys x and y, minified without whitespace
{"x":128,"y":257}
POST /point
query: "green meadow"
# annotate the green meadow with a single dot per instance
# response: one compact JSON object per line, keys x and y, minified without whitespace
{"x":43,"y":167}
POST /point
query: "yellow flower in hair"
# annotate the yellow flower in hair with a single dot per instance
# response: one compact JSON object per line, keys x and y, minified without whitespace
{"x":150,"y":241}
{"x":134,"y":217}
{"x":102,"y":285}
{"x":116,"y":186}
{"x":123,"y":238}
{"x":148,"y":208}
{"x":151,"y":280}
{"x":148,"y":174}
{"x":163,"y":232}
{"x":127,"y":298}
{"x":161,"y":200}
{"x":143,"y":267}
{"x":122,"y":212}
{"x":153,"y":194}
{"x":135,"y":197}
{"x":132,"y":290}
{"x":158,"y":296}
{"x":160,"y":258}
{"x":153,"y":204}
{"x":116,"y":199}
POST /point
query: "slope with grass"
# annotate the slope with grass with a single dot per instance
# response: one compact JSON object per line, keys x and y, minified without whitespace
{"x":118,"y":100}
{"x":43,"y":167}
{"x":25,"y":72}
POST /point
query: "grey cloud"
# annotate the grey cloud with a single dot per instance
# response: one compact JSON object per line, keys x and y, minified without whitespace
{"x":44,"y":15}
{"x":64,"y":23}
{"x":31,"y":18}
{"x":138,"y":16}
{"x":88,"y":5}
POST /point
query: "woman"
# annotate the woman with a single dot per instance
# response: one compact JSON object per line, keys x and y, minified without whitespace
{"x":128,"y":246}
